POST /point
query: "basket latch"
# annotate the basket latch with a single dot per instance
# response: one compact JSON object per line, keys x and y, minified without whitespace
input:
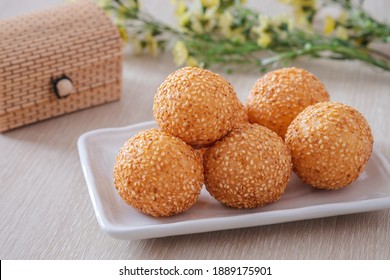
{"x":63,"y":87}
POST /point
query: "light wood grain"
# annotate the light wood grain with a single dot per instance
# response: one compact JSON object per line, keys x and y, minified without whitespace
{"x":46,"y":212}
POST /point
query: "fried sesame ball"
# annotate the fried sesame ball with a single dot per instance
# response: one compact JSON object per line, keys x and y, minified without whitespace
{"x":330,"y":144}
{"x":195,"y":105}
{"x":248,"y":168}
{"x":279,"y":96}
{"x":158,"y":173}
{"x":241,"y":115}
{"x":201,"y":151}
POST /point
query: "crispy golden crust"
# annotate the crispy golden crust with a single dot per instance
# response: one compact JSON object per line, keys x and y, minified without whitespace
{"x":201,"y":151}
{"x":241,"y":115}
{"x":330,"y":144}
{"x":195,"y":105}
{"x":158,"y":174}
{"x":279,"y":96}
{"x":248,"y":168}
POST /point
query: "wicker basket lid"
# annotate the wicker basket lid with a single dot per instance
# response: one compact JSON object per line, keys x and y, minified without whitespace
{"x":76,"y":41}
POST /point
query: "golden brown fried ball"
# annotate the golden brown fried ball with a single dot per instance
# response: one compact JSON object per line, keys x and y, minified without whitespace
{"x":279,"y":96}
{"x":330,"y":144}
{"x":201,"y":152}
{"x":241,"y":115}
{"x":248,"y":168}
{"x":146,"y":173}
{"x":195,"y":105}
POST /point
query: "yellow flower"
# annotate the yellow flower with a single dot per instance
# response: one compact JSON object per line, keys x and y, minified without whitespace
{"x":151,"y":43}
{"x":210,"y":3}
{"x":342,"y":18}
{"x":196,"y":25}
{"x":262,"y":25}
{"x":342,"y":33}
{"x":301,"y":19}
{"x":184,"y":20}
{"x":237,"y":36}
{"x":264,"y":40}
{"x":196,"y":17}
{"x":191,"y":61}
{"x":225,"y":22}
{"x":180,"y":53}
{"x":210,"y":19}
{"x":329,"y":25}
{"x":181,"y":13}
{"x":304,"y":3}
{"x":123,"y":33}
{"x":181,"y":8}
{"x":122,"y":12}
{"x":299,"y":4}
{"x":264,"y":22}
{"x":303,"y":10}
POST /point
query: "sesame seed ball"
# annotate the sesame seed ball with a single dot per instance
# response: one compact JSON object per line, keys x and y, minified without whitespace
{"x":248,"y":168}
{"x":147,"y":178}
{"x":279,"y":96}
{"x":201,"y":151}
{"x":330,"y":144}
{"x":195,"y":105}
{"x":241,"y":115}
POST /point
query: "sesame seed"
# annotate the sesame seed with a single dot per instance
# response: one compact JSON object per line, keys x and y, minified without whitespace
{"x":335,"y":164}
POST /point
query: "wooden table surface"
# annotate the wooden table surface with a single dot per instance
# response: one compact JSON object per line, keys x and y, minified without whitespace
{"x":46,"y":211}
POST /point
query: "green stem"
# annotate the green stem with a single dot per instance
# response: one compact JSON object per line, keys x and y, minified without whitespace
{"x":346,"y":52}
{"x":213,"y":49}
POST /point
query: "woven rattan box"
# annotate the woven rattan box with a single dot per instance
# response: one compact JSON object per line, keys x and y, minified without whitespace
{"x":57,"y":61}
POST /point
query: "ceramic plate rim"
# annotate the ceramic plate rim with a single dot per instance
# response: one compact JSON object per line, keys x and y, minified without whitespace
{"x":213,"y":223}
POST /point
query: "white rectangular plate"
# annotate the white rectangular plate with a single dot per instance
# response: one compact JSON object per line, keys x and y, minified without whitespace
{"x":98,"y":149}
